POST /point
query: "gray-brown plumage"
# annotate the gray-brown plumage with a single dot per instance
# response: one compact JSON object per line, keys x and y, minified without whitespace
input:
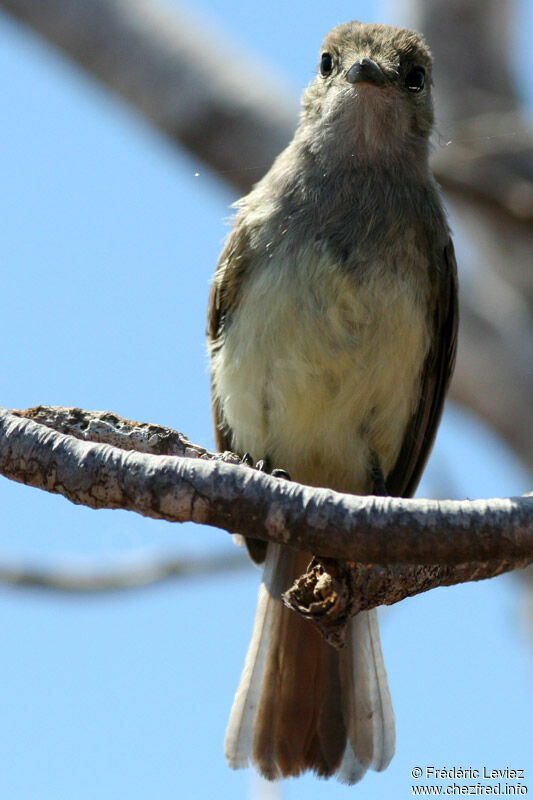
{"x":331,"y":327}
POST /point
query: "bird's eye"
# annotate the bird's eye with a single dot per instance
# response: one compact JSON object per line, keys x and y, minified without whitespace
{"x":326,"y":64}
{"x":415,"y":79}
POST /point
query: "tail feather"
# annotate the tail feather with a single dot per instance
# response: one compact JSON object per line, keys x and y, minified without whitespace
{"x":384,"y":732}
{"x":302,"y":705}
{"x":238,"y":741}
{"x":299,"y":723}
{"x":368,"y":709}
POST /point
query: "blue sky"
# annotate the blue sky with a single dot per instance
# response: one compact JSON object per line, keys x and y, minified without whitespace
{"x":108,"y":241}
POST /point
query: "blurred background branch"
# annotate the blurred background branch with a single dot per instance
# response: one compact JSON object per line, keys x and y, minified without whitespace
{"x":236,"y":118}
{"x":131,"y":572}
{"x":185,"y":81}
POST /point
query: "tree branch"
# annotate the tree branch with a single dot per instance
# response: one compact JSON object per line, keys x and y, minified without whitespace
{"x":106,"y":428}
{"x":233,"y":497}
{"x":331,"y":592}
{"x":416,"y":544}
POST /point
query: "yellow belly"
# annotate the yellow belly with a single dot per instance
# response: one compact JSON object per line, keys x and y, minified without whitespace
{"x":320,"y":367}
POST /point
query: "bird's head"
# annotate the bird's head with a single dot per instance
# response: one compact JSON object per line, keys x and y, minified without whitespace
{"x":372,"y":89}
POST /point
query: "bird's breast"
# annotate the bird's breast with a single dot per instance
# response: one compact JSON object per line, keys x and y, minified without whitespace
{"x":320,"y":365}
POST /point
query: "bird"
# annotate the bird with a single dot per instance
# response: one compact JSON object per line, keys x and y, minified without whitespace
{"x":332,"y":326}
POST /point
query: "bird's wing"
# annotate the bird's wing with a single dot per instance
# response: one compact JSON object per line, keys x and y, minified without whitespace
{"x":223,"y":298}
{"x":403,"y":479}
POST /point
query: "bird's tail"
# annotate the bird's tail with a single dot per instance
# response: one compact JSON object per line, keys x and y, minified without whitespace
{"x":301,"y":704}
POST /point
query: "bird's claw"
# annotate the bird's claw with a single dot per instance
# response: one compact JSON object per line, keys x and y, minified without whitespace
{"x":265,"y":465}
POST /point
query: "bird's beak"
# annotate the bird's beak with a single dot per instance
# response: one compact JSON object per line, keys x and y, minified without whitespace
{"x":365,"y":71}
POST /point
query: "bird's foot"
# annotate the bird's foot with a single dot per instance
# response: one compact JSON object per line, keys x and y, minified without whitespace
{"x":265,"y":465}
